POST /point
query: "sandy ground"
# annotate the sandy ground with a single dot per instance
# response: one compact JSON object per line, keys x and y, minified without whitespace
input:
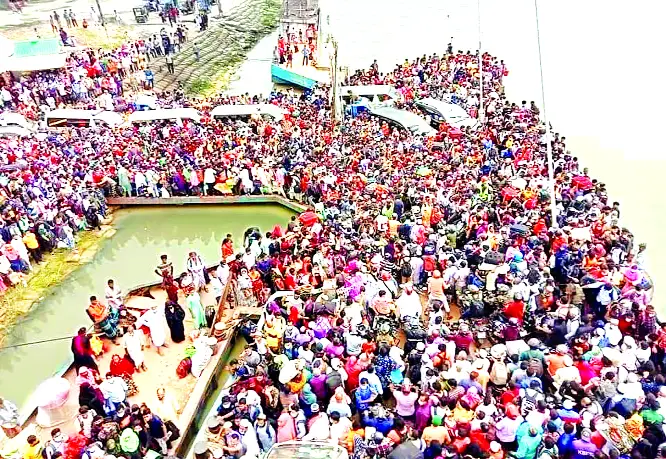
{"x":161,"y":368}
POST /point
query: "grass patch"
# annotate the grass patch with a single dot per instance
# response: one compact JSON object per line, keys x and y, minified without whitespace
{"x":270,"y":15}
{"x":219,"y":72}
{"x":199,"y":87}
{"x":57,"y":265}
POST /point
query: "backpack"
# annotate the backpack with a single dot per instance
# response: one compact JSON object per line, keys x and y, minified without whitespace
{"x":499,"y":375}
{"x":528,"y":403}
{"x":406,"y":270}
{"x":429,"y":264}
{"x":535,"y":364}
{"x":48,"y":450}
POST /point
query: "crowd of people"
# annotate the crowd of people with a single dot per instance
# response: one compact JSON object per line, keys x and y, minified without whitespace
{"x":438,"y":311}
{"x":294,"y":44}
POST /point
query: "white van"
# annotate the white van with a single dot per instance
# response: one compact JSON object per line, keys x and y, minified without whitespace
{"x":15,"y":124}
{"x":245,"y":111}
{"x":72,"y":117}
{"x":171,"y":114}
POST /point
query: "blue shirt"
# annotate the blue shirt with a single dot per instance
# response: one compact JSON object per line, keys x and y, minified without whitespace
{"x":565,"y":443}
{"x":362,"y":393}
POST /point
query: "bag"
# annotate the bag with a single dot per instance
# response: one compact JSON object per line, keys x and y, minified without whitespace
{"x":173,"y":430}
{"x":184,"y":367}
{"x":535,"y":364}
{"x":415,"y":332}
{"x":429,"y":264}
{"x":528,"y":403}
{"x":48,"y":450}
{"x":499,"y":375}
{"x":494,"y":258}
{"x":519,"y":230}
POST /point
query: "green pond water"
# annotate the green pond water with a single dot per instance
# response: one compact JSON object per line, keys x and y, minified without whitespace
{"x":129,"y":257}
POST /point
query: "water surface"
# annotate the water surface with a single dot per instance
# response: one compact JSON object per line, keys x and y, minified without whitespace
{"x":129,"y":257}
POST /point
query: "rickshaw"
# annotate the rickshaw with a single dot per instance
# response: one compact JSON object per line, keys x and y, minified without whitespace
{"x":141,"y":14}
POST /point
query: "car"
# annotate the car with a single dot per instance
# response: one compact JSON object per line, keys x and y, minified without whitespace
{"x":403,"y":118}
{"x":306,"y":450}
{"x":453,"y":114}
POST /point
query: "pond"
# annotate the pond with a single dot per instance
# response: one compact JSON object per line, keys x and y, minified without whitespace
{"x":129,"y":257}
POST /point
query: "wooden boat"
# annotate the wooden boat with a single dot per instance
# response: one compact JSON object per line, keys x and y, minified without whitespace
{"x":281,"y":75}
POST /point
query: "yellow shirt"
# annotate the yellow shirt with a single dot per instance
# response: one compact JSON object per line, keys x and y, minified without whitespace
{"x":30,"y":240}
{"x":33,"y":452}
{"x":461,"y":415}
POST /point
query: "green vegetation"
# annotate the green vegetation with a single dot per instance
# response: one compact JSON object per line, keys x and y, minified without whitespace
{"x":224,"y":49}
{"x":270,"y":15}
{"x":18,"y":300}
{"x":199,"y":87}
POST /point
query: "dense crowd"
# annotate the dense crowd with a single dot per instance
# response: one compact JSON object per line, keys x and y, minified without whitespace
{"x":438,"y":311}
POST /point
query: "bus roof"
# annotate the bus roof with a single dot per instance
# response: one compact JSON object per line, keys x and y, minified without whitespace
{"x":73,"y":113}
{"x":247,"y":110}
{"x":165,"y":114}
{"x":109,"y":117}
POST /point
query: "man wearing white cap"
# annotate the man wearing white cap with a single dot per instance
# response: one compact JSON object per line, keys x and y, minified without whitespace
{"x":318,"y":426}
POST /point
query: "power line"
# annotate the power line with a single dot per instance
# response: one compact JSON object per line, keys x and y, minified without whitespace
{"x":549,"y":147}
{"x":51,"y":340}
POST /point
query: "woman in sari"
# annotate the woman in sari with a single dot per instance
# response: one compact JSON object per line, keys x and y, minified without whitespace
{"x":175,"y":315}
{"x":307,"y":399}
{"x":196,"y":308}
{"x":123,"y":368}
{"x":171,"y":289}
{"x":104,"y":317}
{"x":196,"y":268}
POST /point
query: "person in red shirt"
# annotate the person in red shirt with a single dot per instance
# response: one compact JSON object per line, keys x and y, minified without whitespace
{"x":509,"y":395}
{"x":515,"y":308}
{"x":290,"y":279}
{"x":481,"y":437}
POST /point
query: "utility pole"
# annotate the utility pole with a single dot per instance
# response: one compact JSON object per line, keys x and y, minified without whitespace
{"x":549,"y":146}
{"x":101,"y":17}
{"x":334,"y":80}
{"x":481,"y":109}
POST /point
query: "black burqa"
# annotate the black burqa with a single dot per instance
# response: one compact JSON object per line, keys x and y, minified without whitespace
{"x":175,"y":315}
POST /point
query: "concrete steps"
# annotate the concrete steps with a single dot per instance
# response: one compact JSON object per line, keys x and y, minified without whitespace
{"x":222,"y":46}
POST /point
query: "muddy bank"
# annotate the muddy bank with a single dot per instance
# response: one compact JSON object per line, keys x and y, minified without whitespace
{"x":55,"y":267}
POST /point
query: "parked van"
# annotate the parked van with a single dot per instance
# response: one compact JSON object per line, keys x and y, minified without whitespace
{"x":245,"y":111}
{"x":15,"y":124}
{"x":72,"y":117}
{"x":176,"y":115}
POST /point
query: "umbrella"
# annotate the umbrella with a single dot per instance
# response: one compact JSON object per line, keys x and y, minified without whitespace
{"x":582,"y":182}
{"x":455,"y":133}
{"x":508,"y":193}
{"x":146,"y":101}
{"x":308,"y":218}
